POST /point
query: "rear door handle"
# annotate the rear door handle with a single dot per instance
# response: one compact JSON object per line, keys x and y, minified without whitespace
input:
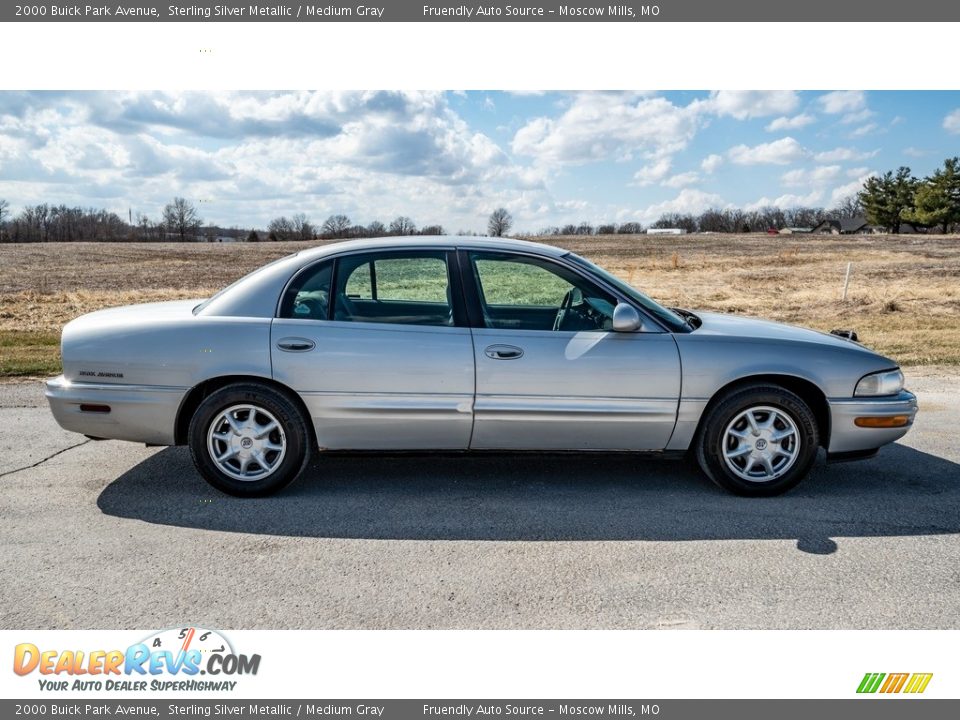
{"x":503,"y":352}
{"x":296,"y":344}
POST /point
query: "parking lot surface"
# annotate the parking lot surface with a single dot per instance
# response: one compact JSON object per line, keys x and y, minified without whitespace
{"x":112,"y":534}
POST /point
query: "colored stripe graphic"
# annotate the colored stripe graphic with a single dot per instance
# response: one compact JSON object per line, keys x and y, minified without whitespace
{"x":918,"y":682}
{"x":894,"y":682}
{"x":870,"y":682}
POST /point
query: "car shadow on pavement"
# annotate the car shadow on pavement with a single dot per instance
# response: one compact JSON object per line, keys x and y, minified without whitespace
{"x":522,"y":497}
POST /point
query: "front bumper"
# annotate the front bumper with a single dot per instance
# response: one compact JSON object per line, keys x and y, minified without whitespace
{"x":847,"y":437}
{"x":141,"y":413}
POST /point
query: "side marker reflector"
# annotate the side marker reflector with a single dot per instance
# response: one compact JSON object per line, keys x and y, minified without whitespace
{"x":891,"y":421}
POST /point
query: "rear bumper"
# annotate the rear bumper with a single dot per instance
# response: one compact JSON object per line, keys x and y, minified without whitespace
{"x":141,"y":413}
{"x":847,"y":437}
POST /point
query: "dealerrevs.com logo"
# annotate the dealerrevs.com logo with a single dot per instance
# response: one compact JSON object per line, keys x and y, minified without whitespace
{"x":171,"y":659}
{"x":911,"y":683}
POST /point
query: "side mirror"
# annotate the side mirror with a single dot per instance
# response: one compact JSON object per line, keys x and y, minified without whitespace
{"x":626,"y":318}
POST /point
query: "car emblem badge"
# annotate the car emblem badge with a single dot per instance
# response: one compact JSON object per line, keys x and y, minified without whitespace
{"x":246,"y":443}
{"x":761,"y":444}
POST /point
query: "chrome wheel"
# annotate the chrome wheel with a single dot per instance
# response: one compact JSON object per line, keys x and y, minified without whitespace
{"x":246,"y":442}
{"x":761,"y":444}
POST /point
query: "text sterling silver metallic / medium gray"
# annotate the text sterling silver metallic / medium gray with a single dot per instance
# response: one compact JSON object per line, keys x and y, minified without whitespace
{"x":457,"y":343}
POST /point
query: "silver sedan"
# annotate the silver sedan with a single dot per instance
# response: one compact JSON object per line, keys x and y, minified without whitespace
{"x":453,"y":343}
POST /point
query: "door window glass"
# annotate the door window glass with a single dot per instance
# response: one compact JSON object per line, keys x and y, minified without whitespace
{"x":409,"y":288}
{"x":527,"y":293}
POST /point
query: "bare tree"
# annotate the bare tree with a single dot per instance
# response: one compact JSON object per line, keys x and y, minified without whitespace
{"x":182,"y":218}
{"x":335,"y":226}
{"x":500,"y":222}
{"x":375,"y":229}
{"x":4,"y":211}
{"x":280,"y":229}
{"x":302,"y":227}
{"x":402,"y":226}
{"x":432,"y":230}
{"x":685,"y":221}
{"x":849,"y":207}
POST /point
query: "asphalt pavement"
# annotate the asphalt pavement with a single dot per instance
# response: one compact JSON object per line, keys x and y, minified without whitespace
{"x":112,"y":534}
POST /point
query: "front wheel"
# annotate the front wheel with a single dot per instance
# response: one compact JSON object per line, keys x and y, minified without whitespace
{"x":758,"y":441}
{"x":249,"y":440}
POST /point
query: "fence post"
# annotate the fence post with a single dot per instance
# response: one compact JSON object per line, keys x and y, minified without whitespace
{"x":846,"y":281}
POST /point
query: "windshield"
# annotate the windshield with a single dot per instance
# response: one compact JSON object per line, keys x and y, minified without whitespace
{"x":669,"y":318}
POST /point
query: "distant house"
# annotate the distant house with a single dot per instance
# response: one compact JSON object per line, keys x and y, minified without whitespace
{"x":844,"y":226}
{"x":910,"y":229}
{"x":860,"y":226}
{"x":666,"y":231}
{"x":796,"y":231}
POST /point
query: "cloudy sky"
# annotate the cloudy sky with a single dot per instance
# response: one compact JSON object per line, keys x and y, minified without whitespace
{"x":451,"y":158}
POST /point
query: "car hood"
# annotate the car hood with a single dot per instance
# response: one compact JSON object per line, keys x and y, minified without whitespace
{"x":748,"y":328}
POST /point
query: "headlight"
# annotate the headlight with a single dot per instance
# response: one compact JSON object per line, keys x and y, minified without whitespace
{"x":888,"y":382}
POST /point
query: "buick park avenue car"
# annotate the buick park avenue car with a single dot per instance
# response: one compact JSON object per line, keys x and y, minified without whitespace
{"x":455,"y":343}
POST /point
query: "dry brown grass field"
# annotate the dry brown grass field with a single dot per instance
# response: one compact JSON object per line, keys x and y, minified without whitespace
{"x":904,"y":296}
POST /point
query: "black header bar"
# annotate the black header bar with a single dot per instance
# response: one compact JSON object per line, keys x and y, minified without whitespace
{"x":853,"y":11}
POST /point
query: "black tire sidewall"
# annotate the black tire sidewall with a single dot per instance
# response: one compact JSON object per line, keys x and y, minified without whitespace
{"x":281,"y":407}
{"x":709,"y":442}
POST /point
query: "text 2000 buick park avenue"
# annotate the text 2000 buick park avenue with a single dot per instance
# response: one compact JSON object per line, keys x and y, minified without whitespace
{"x":453,"y":343}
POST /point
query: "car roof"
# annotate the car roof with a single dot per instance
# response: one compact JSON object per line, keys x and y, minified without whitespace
{"x":408,"y":241}
{"x":256,"y":294}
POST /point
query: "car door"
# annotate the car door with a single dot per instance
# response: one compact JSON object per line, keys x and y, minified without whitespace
{"x":378,"y":350}
{"x":551,"y":374}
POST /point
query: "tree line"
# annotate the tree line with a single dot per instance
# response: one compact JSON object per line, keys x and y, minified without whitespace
{"x":897,"y":197}
{"x":180,"y":221}
{"x":886,"y":201}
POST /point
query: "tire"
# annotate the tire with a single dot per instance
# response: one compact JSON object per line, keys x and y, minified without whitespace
{"x":255,"y":458}
{"x":776,"y":450}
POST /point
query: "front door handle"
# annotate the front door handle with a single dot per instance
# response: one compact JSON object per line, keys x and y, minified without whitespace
{"x":296,"y":344}
{"x":503,"y":352}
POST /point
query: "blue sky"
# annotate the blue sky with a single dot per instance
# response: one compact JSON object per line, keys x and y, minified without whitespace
{"x":452,"y":157}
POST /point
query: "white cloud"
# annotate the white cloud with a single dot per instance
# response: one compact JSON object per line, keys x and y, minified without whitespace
{"x":779,"y":152}
{"x":711,"y":163}
{"x":858,"y":172}
{"x":843,"y":101}
{"x":655,"y":172}
{"x":682,"y":180}
{"x":850,"y":189}
{"x":843,"y":154}
{"x":785,"y":202}
{"x":688,"y":201}
{"x":790,"y":123}
{"x":815,"y":177}
{"x":855,"y":117}
{"x":915,"y":152}
{"x":607,"y":126}
{"x":746,"y":104}
{"x":366,"y":154}
{"x":864,"y":130}
{"x":951,"y":123}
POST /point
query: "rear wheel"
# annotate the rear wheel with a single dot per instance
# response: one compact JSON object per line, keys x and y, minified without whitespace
{"x":249,"y":440}
{"x":758,"y":441}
